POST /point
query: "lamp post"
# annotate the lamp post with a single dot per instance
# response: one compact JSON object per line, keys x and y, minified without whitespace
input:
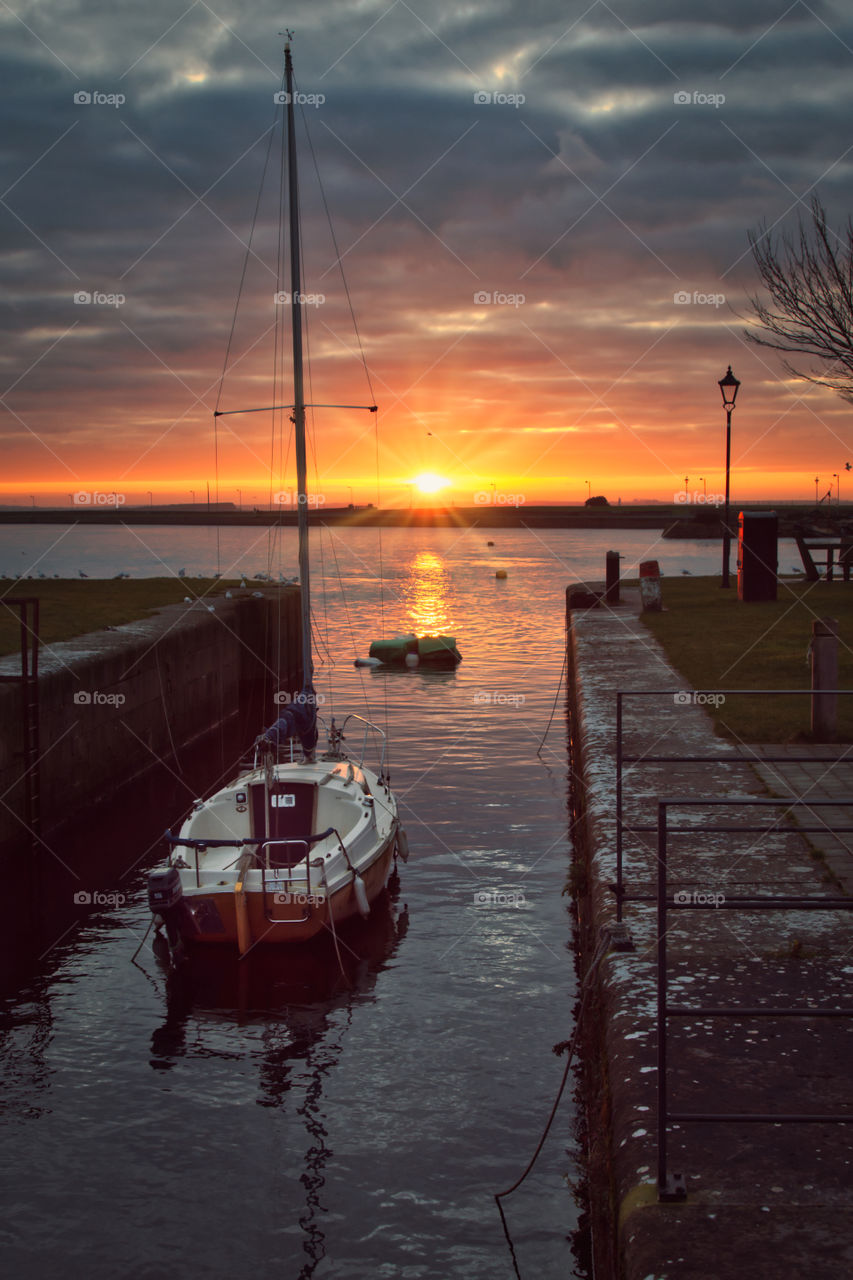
{"x":704,"y":486}
{"x":728,"y":389}
{"x":837,"y":480}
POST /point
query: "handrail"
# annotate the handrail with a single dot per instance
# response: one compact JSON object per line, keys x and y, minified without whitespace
{"x":735,"y":755}
{"x":672,"y":1186}
{"x":202,"y":843}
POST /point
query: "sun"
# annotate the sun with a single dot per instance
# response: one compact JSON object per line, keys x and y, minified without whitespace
{"x":429,"y":482}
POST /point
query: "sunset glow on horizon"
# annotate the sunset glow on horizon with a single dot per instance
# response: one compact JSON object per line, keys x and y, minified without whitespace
{"x":546,"y":252}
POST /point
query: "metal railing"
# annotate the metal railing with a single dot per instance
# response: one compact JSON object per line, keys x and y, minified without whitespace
{"x":672,"y":1186}
{"x":734,"y":756}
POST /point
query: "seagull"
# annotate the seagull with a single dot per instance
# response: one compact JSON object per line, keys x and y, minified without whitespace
{"x":82,"y":574}
{"x":228,"y":595}
{"x":182,"y":573}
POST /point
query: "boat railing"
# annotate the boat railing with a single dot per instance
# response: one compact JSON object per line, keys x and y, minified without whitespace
{"x":201,"y":845}
{"x":336,"y":736}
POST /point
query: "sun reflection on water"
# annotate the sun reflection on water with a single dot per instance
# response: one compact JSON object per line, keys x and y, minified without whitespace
{"x":426,"y":591}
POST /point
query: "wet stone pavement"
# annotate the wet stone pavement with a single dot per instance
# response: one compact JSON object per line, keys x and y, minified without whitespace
{"x":763,"y":1199}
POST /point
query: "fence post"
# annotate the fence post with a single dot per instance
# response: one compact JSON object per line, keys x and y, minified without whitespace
{"x":824,"y":655}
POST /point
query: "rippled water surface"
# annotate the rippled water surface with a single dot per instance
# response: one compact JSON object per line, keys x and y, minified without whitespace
{"x":278,"y":1116}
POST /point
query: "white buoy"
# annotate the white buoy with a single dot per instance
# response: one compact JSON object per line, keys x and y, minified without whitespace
{"x":368,"y":662}
{"x":412,"y":659}
{"x":361,"y":895}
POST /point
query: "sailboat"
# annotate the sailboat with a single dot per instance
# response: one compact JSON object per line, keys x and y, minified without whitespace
{"x":300,"y":840}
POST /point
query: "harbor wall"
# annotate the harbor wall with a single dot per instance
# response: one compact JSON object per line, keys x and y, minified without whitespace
{"x":116,"y":704}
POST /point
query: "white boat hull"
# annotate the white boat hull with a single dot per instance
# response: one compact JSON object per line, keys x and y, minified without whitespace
{"x":280,"y":855}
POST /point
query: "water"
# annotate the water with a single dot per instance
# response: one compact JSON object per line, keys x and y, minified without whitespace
{"x":252,"y":1119}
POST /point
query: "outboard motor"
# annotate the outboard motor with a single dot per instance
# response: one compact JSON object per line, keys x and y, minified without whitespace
{"x":166,"y":900}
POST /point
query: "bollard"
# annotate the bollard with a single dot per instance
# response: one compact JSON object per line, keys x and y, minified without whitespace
{"x":824,"y":655}
{"x":611,"y":577}
{"x":650,"y":595}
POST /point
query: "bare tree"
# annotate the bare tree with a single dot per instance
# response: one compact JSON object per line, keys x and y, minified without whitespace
{"x":809,"y":276}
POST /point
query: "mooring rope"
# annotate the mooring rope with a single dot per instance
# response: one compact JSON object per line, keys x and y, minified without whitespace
{"x":554,"y":708}
{"x":600,"y":951}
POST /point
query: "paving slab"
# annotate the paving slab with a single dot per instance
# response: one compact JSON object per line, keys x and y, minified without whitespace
{"x":763,"y":1199}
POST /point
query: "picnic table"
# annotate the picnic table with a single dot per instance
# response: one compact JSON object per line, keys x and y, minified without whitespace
{"x":842,"y":544}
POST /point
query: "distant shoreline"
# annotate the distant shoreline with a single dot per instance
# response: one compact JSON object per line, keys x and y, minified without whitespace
{"x":633,"y":516}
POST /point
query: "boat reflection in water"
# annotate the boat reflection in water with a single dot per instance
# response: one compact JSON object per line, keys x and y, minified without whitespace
{"x":284,"y":1012}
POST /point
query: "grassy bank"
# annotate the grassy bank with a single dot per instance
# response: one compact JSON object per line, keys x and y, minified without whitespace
{"x":71,"y":607}
{"x":717,"y":642}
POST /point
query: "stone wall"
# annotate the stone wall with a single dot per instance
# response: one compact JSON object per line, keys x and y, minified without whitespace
{"x":115,"y":704}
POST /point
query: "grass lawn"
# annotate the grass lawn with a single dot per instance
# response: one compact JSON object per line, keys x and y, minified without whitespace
{"x":70,"y":607}
{"x":717,"y":642}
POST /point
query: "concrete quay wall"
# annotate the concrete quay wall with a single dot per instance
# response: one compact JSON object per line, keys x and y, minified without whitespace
{"x":767,"y":1201}
{"x":115,"y":704}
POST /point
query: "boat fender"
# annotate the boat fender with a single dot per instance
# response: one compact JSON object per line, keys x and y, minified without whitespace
{"x":412,"y":659}
{"x":368,"y":662}
{"x":360,"y":891}
{"x":402,"y":844}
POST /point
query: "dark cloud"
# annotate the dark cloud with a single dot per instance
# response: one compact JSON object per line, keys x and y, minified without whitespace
{"x":648,"y":142}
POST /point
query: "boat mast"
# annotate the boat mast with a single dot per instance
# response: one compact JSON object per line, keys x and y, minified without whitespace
{"x":298,"y":390}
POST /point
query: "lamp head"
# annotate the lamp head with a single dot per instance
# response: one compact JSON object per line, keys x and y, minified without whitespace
{"x":728,"y":388}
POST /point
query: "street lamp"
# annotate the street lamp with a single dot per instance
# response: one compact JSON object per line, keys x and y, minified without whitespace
{"x":728,"y":389}
{"x":239,"y":499}
{"x":150,"y":497}
{"x":192,"y":494}
{"x":588,"y":490}
{"x":837,"y":480}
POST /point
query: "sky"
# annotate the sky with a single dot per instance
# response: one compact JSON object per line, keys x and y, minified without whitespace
{"x":542,"y":216}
